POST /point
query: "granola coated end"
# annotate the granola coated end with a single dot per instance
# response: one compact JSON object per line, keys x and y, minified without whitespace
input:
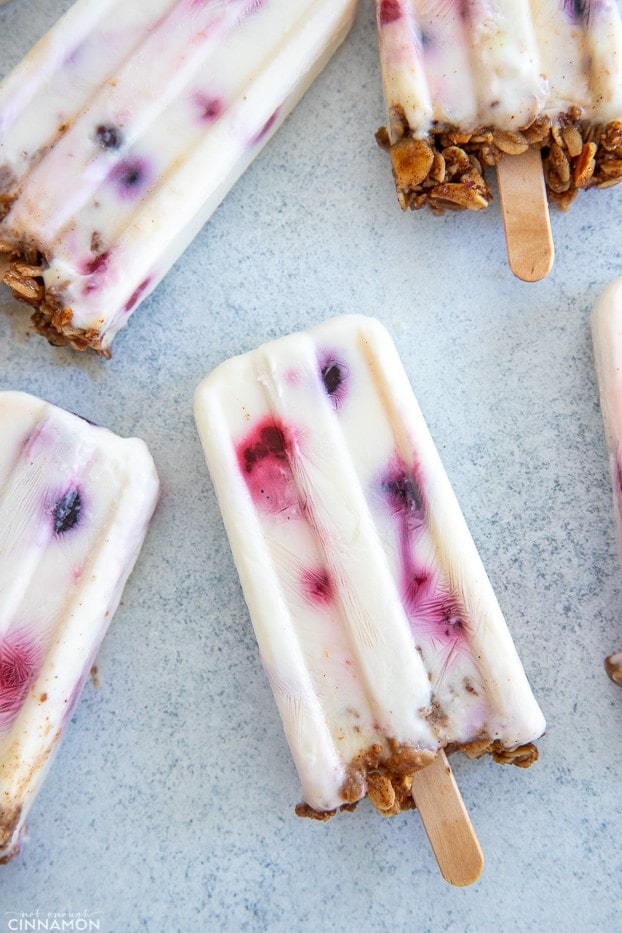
{"x":445,"y":170}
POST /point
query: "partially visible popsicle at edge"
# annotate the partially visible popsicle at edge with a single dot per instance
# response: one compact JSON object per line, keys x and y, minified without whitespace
{"x":377,"y":625}
{"x":607,"y":343}
{"x":75,"y":504}
{"x":124,"y":129}
{"x":470,"y":82}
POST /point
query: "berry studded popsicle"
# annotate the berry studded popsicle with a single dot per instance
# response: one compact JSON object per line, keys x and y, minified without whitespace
{"x":75,"y":503}
{"x":123,"y":130}
{"x":607,"y":343}
{"x":377,"y":626}
{"x":470,"y":83}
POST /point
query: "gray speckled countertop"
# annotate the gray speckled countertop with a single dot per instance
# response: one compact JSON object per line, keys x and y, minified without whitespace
{"x":170,"y":803}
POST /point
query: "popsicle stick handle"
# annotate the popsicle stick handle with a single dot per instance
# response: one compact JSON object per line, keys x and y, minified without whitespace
{"x":525,"y":211}
{"x":447,"y":824}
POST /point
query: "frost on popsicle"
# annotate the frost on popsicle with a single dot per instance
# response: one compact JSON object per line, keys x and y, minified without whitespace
{"x":377,"y":626}
{"x":467,"y":84}
{"x":123,"y":130}
{"x":75,"y":503}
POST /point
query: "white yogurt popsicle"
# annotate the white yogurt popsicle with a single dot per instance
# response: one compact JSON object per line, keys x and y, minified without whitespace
{"x":122,"y":132}
{"x":467,"y":83}
{"x":75,"y":504}
{"x":377,"y":626}
{"x":607,"y":343}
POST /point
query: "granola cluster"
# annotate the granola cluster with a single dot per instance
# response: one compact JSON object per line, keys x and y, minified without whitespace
{"x":388,"y":781}
{"x":23,"y":273}
{"x":445,"y":170}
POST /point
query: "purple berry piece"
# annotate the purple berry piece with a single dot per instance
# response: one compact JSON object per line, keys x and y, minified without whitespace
{"x":97,"y":263}
{"x":331,"y":377}
{"x":67,"y":511}
{"x":403,"y":494}
{"x":131,"y":177}
{"x":578,"y":10}
{"x":109,"y":136}
{"x":334,"y":376}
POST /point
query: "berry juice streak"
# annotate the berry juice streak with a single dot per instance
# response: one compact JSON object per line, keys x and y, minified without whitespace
{"x":265,"y":458}
{"x":20,"y":661}
{"x":434,"y":612}
{"x":50,"y":513}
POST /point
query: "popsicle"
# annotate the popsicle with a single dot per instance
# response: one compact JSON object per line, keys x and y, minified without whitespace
{"x":470,"y":84}
{"x":124,"y":129}
{"x":607,"y":344}
{"x":75,"y":503}
{"x":376,"y":623}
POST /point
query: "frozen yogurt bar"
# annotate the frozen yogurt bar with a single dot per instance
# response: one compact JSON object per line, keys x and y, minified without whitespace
{"x":607,"y":343}
{"x":75,"y":503}
{"x":377,"y":625}
{"x":468,"y":84}
{"x":124,"y":129}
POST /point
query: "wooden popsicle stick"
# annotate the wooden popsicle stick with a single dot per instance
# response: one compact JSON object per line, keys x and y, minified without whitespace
{"x":525,"y":212}
{"x":447,"y":823}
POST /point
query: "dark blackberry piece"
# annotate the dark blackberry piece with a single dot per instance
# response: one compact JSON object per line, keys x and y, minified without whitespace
{"x":67,"y":511}
{"x":108,"y":136}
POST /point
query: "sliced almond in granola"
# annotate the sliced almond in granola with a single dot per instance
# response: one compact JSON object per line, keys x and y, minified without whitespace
{"x":558,"y":161}
{"x":26,"y":289}
{"x":572,"y":140}
{"x":457,"y":196}
{"x":438,"y":170}
{"x":510,"y":143}
{"x":554,"y":183}
{"x":380,"y":791}
{"x":610,"y":168}
{"x":607,"y":183}
{"x":584,"y":166}
{"x":412,"y":160}
{"x":556,"y":133}
{"x":25,"y":270}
